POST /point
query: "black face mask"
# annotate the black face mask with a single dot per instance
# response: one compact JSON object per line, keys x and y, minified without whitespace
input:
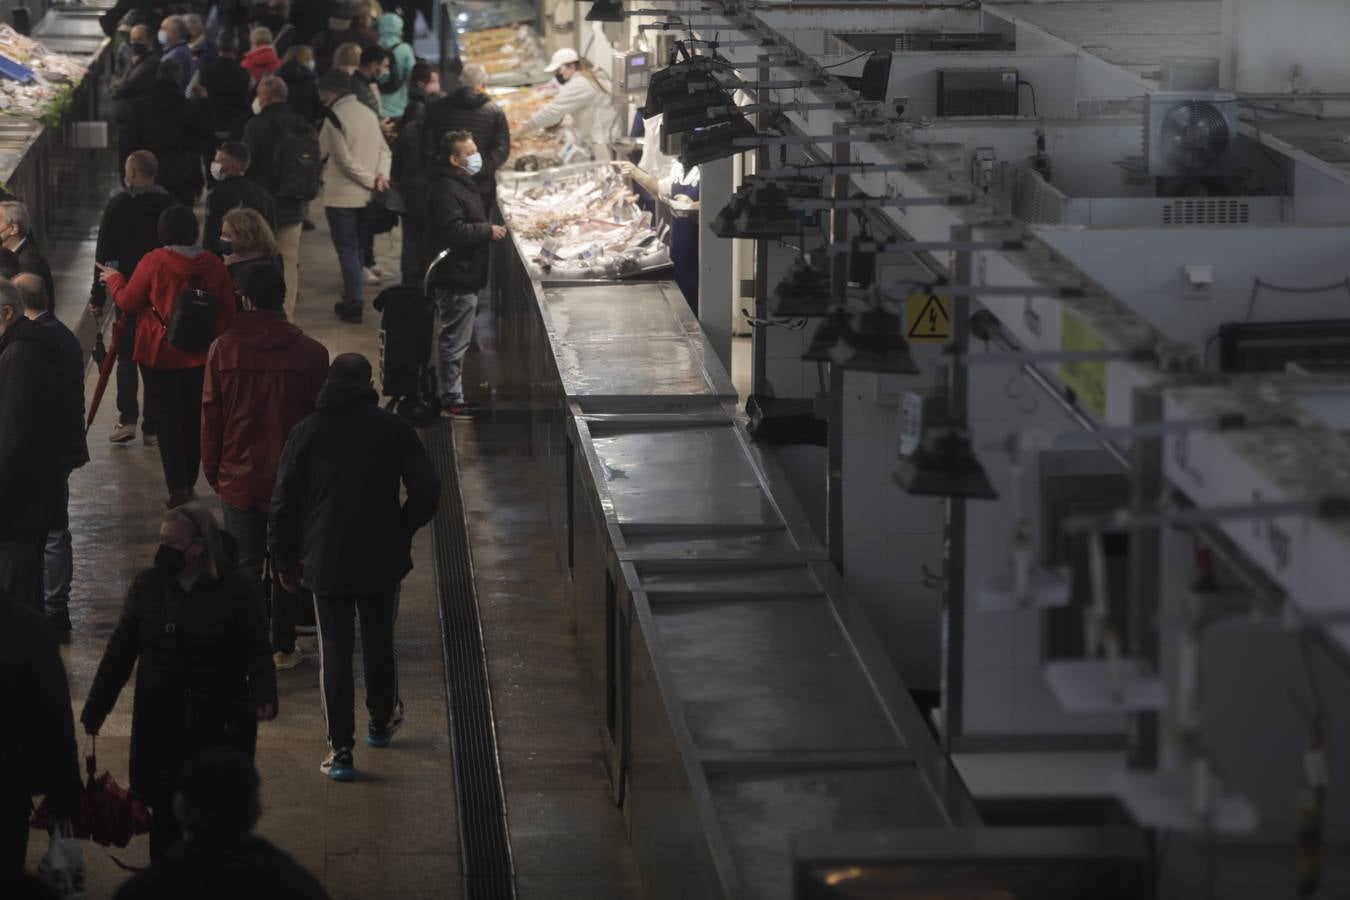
{"x":558,"y":77}
{"x":139,"y":49}
{"x":170,"y":560}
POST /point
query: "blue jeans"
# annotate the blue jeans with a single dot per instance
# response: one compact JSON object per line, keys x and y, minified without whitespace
{"x":345,"y":226}
{"x":455,"y":310}
{"x":58,"y":566}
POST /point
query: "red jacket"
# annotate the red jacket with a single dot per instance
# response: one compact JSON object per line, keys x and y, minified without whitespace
{"x":260,"y":62}
{"x":160,"y":277}
{"x":261,"y":378}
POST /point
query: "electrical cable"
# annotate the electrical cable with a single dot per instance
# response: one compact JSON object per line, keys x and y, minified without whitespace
{"x":851,"y":59}
{"x":1257,"y":284}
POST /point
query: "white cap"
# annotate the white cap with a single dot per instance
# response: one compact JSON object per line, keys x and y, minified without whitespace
{"x":561,"y":58}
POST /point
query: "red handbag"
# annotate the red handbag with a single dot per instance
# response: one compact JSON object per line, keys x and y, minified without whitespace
{"x":110,"y":815}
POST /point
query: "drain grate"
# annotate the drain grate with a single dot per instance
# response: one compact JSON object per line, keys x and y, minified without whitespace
{"x":484,"y":844}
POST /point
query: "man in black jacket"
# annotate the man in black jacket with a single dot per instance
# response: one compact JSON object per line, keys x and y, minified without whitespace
{"x":219,"y":803}
{"x":16,"y":233}
{"x":223,"y":88}
{"x":128,"y":230}
{"x":37,"y":743}
{"x":409,"y":172}
{"x":72,"y":451}
{"x":232,"y":191}
{"x":136,"y":81}
{"x":173,"y":128}
{"x":261,"y":136}
{"x":337,"y":528}
{"x":470,"y":109}
{"x":31,"y":477}
{"x":457,"y":222}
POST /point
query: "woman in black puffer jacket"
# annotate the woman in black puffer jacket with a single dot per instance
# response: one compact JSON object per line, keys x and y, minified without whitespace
{"x":205,"y":674}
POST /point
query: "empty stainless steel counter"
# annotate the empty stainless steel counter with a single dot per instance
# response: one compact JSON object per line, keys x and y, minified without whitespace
{"x":746,"y":698}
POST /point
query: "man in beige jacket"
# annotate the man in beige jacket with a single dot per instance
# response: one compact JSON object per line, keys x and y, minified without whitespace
{"x":356,"y":165}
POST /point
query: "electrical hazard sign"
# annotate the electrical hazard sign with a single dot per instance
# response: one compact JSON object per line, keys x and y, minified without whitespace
{"x":928,"y":318}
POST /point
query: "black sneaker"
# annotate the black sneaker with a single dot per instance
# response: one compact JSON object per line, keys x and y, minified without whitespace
{"x":383,"y":737}
{"x":307,"y":225}
{"x":339,"y":766}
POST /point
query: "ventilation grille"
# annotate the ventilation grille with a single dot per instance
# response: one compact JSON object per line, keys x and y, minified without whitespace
{"x":1207,"y":211}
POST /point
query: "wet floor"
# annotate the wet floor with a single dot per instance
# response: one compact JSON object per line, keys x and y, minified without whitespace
{"x":393,"y":832}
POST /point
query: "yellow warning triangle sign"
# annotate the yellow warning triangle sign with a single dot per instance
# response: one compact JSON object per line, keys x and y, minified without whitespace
{"x":927,"y":318}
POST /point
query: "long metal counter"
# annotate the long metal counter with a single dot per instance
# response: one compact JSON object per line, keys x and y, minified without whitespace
{"x":747,"y":700}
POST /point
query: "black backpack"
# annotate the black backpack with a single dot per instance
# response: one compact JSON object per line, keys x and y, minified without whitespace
{"x":395,"y":81}
{"x":297,"y":162}
{"x":191,"y":326}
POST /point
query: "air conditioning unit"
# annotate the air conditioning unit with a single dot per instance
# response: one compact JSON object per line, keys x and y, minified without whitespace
{"x":977,"y":92}
{"x":1191,"y":135}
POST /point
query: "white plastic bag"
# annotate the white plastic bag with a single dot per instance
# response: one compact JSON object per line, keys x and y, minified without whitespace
{"x":62,"y":867}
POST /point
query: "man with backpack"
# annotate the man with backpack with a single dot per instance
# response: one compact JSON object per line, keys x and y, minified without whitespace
{"x":285,"y":158}
{"x":394,"y":87}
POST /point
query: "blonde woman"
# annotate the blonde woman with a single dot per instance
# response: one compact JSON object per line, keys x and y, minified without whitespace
{"x":195,"y":631}
{"x":249,"y":238}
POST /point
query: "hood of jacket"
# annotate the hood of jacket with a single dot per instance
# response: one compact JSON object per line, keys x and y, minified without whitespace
{"x":466,"y":98}
{"x":236,"y":866}
{"x":266,"y":55}
{"x":185,"y":266}
{"x":294,"y":72}
{"x":391,"y":30}
{"x":340,"y":394}
{"x":264,"y":329}
{"x":27,"y":330}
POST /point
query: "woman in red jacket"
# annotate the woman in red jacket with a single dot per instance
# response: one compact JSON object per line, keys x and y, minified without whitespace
{"x":173,"y":377}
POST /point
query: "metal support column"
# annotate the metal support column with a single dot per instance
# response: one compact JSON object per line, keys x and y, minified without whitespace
{"x":759,"y":338}
{"x":954,"y":536}
{"x":1145,"y":582}
{"x":834,"y":492}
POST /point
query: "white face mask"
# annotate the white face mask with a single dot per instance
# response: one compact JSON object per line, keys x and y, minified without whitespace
{"x":217,"y":171}
{"x":257,"y":106}
{"x":163,"y":38}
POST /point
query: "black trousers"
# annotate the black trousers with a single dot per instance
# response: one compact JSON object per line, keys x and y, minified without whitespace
{"x":128,"y":382}
{"x":412,"y":268}
{"x":337,"y":641}
{"x":165,"y":832}
{"x":13,"y":836}
{"x":173,"y":397}
{"x":21,"y":567}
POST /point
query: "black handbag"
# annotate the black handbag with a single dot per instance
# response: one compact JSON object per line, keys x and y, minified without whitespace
{"x":384,"y":209}
{"x":191,"y":326}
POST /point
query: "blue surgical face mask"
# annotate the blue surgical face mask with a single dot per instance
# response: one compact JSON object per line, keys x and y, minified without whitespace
{"x":163,"y":38}
{"x":226,"y":247}
{"x":474,"y":164}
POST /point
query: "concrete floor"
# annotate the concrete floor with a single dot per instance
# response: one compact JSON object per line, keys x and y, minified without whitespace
{"x":393,"y":832}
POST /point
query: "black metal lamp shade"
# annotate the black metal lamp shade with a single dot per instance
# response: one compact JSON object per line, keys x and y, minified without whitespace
{"x":944,"y":465}
{"x":804,"y":293}
{"x":869,"y":341}
{"x":606,"y":11}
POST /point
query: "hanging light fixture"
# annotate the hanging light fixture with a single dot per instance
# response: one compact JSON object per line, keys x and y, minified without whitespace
{"x":705,"y":145}
{"x":866,"y":341}
{"x":605,"y":11}
{"x":758,"y":209}
{"x":805,"y":291}
{"x":936,"y":456}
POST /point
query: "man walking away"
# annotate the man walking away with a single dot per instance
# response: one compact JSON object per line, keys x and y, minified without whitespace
{"x":16,"y":231}
{"x":173,"y":128}
{"x":262,"y":377}
{"x":357,"y":164}
{"x":31,"y":477}
{"x":223,"y":89}
{"x":232,"y":191}
{"x":457,"y":221}
{"x":128,"y":230}
{"x":72,"y":451}
{"x":470,"y":109}
{"x":337,"y":528}
{"x":37,"y":755}
{"x":285,"y":158}
{"x":219,"y":803}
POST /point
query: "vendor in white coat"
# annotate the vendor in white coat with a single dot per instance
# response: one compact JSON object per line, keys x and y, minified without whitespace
{"x":667,"y":180}
{"x":585,"y":96}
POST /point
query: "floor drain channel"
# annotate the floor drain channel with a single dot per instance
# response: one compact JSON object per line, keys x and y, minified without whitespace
{"x":484,"y":843}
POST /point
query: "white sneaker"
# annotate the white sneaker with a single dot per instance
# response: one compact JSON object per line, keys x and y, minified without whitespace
{"x":286,"y":661}
{"x":380,"y":273}
{"x":369,"y":275}
{"x":123,"y":434}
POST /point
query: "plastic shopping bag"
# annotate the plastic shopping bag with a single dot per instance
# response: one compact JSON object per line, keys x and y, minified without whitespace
{"x":62,"y":867}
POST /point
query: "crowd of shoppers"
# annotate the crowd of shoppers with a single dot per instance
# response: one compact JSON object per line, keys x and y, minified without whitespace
{"x":329,"y":105}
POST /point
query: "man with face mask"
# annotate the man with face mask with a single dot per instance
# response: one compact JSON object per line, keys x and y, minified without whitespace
{"x":470,"y":109}
{"x":173,"y":37}
{"x":137,"y":80}
{"x":262,"y":363}
{"x":16,"y":227}
{"x":457,"y":222}
{"x":31,"y":477}
{"x":232,"y":191}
